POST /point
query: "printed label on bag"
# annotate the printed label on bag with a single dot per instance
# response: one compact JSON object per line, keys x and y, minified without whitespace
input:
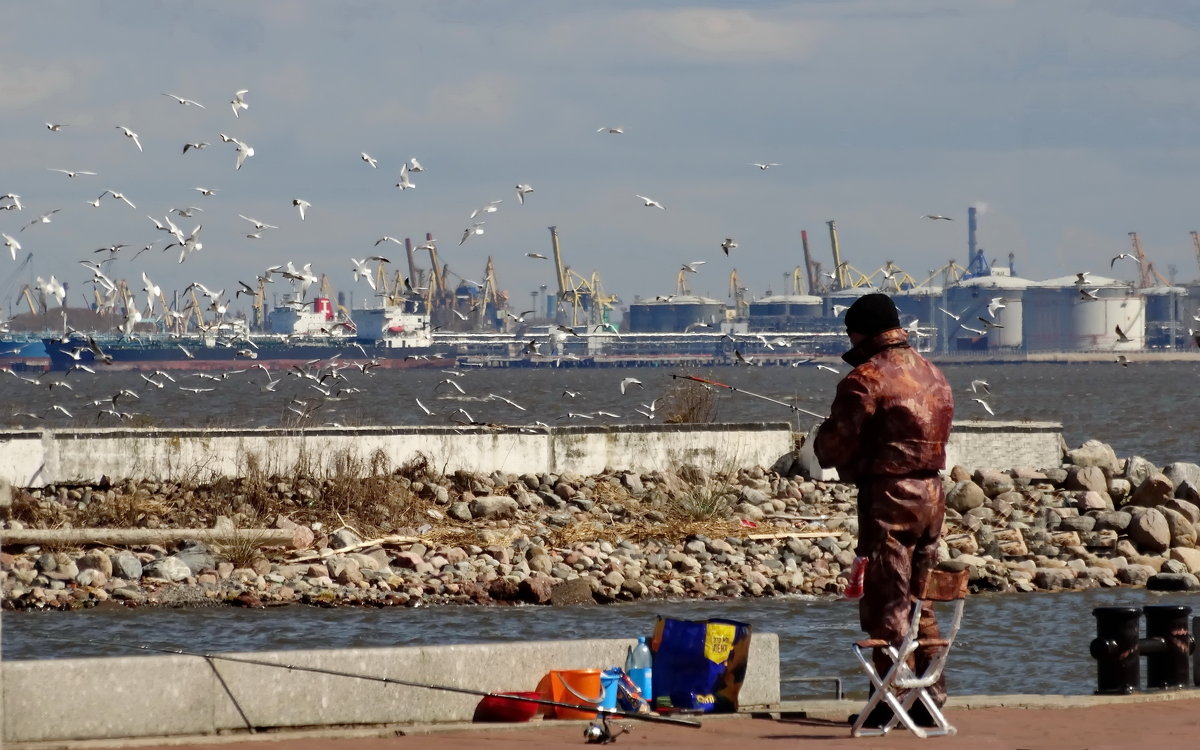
{"x":718,"y":642}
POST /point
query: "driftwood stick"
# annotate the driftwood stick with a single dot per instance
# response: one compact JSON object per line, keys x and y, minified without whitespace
{"x":133,"y":537}
{"x":361,"y":545}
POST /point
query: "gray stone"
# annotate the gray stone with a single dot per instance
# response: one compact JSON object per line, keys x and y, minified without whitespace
{"x":964,"y":496}
{"x":126,"y":565}
{"x":1055,"y":475}
{"x":461,"y":511}
{"x":1095,"y":453}
{"x":167,"y":568}
{"x":1187,"y":508}
{"x":45,"y":563}
{"x":1116,"y":520}
{"x":344,"y":570}
{"x":1189,"y":492}
{"x":197,"y":558}
{"x":1054,"y":579}
{"x":1181,"y":471}
{"x":574,"y":591}
{"x":1173,"y":582}
{"x":1149,"y":529}
{"x":343,"y":538}
{"x":1089,"y":500}
{"x":633,"y":483}
{"x":494,"y":507}
{"x":1189,"y":557}
{"x":1138,"y":470}
{"x":1135,"y":574}
{"x":1078,"y":523}
{"x":95,"y":560}
{"x":1086,"y":478}
{"x":993,"y":482}
{"x":1119,"y":489}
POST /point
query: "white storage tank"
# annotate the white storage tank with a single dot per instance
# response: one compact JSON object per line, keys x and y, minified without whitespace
{"x":970,"y":300}
{"x":1063,"y":315}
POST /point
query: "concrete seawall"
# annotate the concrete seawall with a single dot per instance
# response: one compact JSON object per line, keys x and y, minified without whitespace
{"x":82,"y":456}
{"x":155,"y":696}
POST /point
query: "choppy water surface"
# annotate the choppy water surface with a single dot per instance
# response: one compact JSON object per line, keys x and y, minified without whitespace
{"x":1028,"y":643}
{"x":1147,"y":409}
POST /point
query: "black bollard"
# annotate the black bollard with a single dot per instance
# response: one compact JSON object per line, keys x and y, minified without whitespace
{"x":1196,"y":654}
{"x":1167,"y":646}
{"x":1115,"y":649}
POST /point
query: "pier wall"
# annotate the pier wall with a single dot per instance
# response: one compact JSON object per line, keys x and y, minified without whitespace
{"x":158,"y":696}
{"x":83,"y":456}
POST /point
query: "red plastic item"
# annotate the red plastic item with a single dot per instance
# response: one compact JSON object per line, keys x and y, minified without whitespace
{"x":496,"y":709}
{"x":858,"y":571}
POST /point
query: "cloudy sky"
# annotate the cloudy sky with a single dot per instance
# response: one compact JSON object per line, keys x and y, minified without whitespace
{"x":1070,"y":123}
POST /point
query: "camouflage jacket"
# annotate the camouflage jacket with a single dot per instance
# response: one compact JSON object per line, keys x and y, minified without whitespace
{"x":891,"y":415}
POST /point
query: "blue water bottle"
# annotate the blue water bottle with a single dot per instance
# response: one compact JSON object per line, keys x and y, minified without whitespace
{"x":639,"y":665}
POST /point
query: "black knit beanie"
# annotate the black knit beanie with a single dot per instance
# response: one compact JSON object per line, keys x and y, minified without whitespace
{"x":872,"y":314}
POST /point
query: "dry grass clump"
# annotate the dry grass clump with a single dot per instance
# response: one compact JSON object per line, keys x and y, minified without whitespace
{"x":242,"y":548}
{"x":687,"y":401}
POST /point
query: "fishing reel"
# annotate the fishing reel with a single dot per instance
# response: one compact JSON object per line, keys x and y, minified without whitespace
{"x":600,"y":732}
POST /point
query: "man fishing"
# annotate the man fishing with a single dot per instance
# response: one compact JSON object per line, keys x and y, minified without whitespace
{"x":887,"y":433}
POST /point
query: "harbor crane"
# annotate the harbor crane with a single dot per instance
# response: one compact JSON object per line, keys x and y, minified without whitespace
{"x":1146,"y":273}
{"x":1196,"y":242}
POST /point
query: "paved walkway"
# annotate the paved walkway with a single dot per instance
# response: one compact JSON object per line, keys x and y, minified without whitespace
{"x":1163,"y":721}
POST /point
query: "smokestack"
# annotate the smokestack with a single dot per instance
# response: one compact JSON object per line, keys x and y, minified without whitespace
{"x":971,"y":227}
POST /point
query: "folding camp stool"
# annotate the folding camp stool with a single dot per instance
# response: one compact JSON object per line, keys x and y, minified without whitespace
{"x":901,"y":688}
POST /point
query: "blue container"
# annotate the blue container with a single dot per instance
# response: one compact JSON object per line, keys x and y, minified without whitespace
{"x":610,"y":680}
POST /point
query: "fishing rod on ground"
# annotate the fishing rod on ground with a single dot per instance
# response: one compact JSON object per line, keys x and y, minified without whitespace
{"x":735,"y":389}
{"x":604,"y":713}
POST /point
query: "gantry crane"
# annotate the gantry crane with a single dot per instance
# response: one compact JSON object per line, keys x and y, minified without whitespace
{"x":738,"y":293}
{"x":812,"y":269}
{"x":1146,"y":273}
{"x":580,"y":292}
{"x":893,"y":277}
{"x":1196,"y":242}
{"x":840,"y":275}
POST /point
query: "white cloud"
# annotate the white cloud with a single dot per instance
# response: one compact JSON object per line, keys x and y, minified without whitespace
{"x":22,"y":87}
{"x":485,"y":98}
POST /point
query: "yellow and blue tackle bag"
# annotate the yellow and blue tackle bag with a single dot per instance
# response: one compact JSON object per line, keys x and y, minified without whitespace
{"x":699,"y":665}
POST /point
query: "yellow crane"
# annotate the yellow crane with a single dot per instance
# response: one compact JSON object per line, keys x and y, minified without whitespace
{"x":1146,"y":273}
{"x":738,"y":293}
{"x":840,"y":277}
{"x":893,"y":277}
{"x":1196,"y":242}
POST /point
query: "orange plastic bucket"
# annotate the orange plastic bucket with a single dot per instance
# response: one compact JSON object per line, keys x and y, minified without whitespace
{"x":578,"y":686}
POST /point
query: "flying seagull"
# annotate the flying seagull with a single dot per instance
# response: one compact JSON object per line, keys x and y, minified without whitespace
{"x":369,"y":160}
{"x":186,"y":102}
{"x":130,"y":134}
{"x":650,"y":202}
{"x":935,"y":217}
{"x":1121,"y":337}
{"x":995,"y":306}
{"x":522,"y":189}
{"x":728,"y":245}
{"x":196,"y":146}
{"x":405,"y":183}
{"x":613,"y":131}
{"x":72,"y":173}
{"x":627,"y":382}
{"x":765,"y":165}
{"x":301,"y":204}
{"x":239,"y":101}
{"x":985,"y":406}
{"x":1130,"y":256}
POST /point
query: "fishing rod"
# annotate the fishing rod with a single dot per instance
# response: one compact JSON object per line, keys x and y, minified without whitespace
{"x":735,"y":389}
{"x":602,"y":712}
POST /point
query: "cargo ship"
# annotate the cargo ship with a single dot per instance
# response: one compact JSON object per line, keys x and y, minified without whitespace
{"x":394,"y":336}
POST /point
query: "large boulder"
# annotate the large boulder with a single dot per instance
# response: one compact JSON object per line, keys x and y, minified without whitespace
{"x":1181,"y":471}
{"x":1187,"y":508}
{"x":1189,"y":556}
{"x":1183,"y":531}
{"x":1095,"y":453}
{"x":1156,"y":490}
{"x":1138,"y":470}
{"x":964,"y":496}
{"x":993,"y":482}
{"x":1149,"y":530}
{"x":493,"y":507}
{"x":1086,"y":478}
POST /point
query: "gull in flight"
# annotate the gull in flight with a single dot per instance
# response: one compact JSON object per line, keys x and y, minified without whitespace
{"x":1130,"y":256}
{"x":976,"y":385}
{"x":743,"y":359}
{"x":130,"y":134}
{"x":16,"y":201}
{"x":995,"y":306}
{"x":12,"y":245}
{"x":765,"y":165}
{"x":43,"y":219}
{"x":536,"y":255}
{"x":522,"y":189}
{"x":1122,"y":360}
{"x":476,"y":228}
{"x":650,"y":202}
{"x":612,"y":131}
{"x":989,"y":323}
{"x":728,"y":245}
{"x":72,"y":173}
{"x":1089,"y":296}
{"x":424,"y":408}
{"x":55,"y":127}
{"x":207,"y":191}
{"x":691,"y":267}
{"x":258,"y":224}
{"x":362,"y":272}
{"x":197,"y":146}
{"x":386,"y":238}
{"x":117,"y":196}
{"x":834,"y":370}
{"x":414,"y":165}
{"x":405,"y":183}
{"x":975,"y":331}
{"x":630,"y":381}
{"x":490,"y":208}
{"x":1122,"y":338}
{"x":244,"y":151}
{"x":956,"y":317}
{"x":301,"y":204}
{"x":239,"y":101}
{"x":985,"y":406}
{"x":1082,"y":277}
{"x":369,"y":159}
{"x":936,"y":217}
{"x":186,"y":102}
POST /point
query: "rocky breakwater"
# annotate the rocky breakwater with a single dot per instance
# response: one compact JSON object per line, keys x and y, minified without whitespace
{"x":408,"y":538}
